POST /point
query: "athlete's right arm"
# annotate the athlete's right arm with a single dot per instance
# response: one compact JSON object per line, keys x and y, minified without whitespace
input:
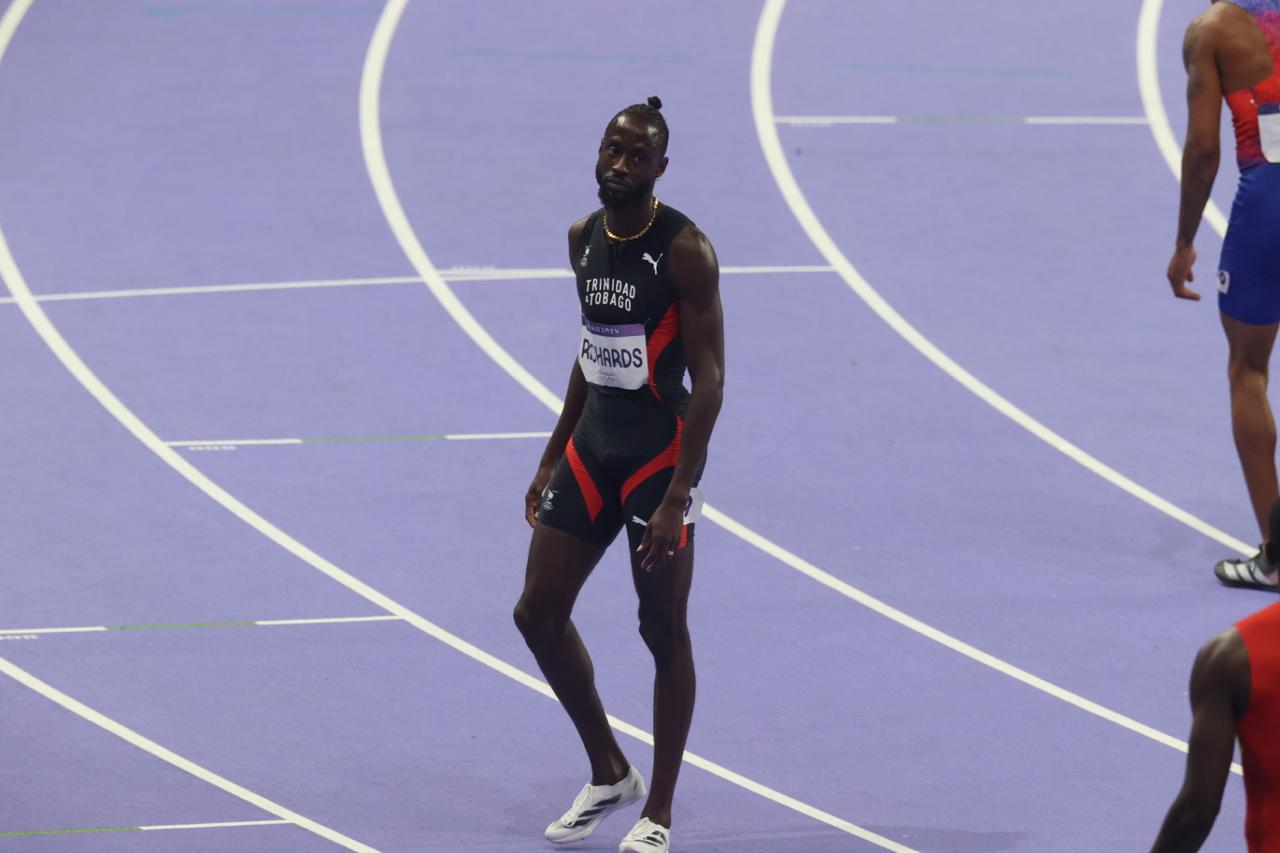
{"x":575,"y":397}
{"x":1215,"y":704}
{"x":1201,"y":152}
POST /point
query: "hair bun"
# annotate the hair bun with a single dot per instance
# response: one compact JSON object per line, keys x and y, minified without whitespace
{"x":655,"y":102}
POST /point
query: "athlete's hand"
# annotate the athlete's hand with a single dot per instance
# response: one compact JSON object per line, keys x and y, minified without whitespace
{"x":1180,"y":273}
{"x":662,"y":535}
{"x":533,"y":496}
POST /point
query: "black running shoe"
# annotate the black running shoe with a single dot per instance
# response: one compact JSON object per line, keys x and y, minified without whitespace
{"x":1256,"y":572}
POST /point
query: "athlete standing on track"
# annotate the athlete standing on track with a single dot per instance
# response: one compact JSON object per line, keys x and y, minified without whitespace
{"x":1233,"y":51}
{"x":628,"y":450}
{"x":1235,"y":691}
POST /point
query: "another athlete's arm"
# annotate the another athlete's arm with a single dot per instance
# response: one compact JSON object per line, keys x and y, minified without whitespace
{"x":1217,"y":700}
{"x":696,"y":275}
{"x":575,"y":397}
{"x":1201,"y":152}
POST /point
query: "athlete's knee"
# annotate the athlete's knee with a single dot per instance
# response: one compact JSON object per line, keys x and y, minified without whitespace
{"x":1245,"y":368}
{"x":538,"y":625}
{"x":664,"y":634}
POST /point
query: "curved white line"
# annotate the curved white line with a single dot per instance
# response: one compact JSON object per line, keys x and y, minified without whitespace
{"x":35,"y":315}
{"x":766,"y":129}
{"x":1153,"y":102}
{"x":21,"y":292}
{"x":384,"y":187}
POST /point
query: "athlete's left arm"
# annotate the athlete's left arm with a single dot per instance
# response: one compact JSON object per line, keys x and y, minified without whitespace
{"x":1216,"y":701}
{"x":696,"y":275}
{"x":1202,"y":150}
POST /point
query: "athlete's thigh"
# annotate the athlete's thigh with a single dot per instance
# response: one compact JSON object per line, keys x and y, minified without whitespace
{"x":663,"y":591}
{"x":1250,"y":343}
{"x":559,"y":564}
{"x":582,"y":497}
{"x":665,"y":588}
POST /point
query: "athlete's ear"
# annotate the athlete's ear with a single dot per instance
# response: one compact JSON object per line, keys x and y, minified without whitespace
{"x":662,"y":167}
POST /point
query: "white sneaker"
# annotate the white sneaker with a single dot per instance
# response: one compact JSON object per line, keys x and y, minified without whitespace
{"x":646,"y":837}
{"x":593,"y":804}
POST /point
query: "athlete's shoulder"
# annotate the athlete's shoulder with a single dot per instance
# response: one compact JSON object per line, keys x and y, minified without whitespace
{"x":576,"y":232}
{"x":1221,"y":20}
{"x":1222,"y":665}
{"x":691,"y":241}
{"x":576,"y":229}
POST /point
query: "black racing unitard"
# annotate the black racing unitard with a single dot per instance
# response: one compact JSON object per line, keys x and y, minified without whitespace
{"x":619,"y":462}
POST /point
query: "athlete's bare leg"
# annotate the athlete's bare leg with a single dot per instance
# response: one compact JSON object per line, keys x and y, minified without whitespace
{"x":664,"y":604}
{"x":1252,"y":423}
{"x":558,"y":566}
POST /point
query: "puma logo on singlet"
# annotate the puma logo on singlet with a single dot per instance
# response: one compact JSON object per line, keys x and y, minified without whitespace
{"x":650,"y":259}
{"x":583,"y":263}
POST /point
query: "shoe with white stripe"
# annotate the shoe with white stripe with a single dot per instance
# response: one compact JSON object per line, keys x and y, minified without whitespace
{"x":1256,"y":572}
{"x":593,"y":804}
{"x":646,"y":837}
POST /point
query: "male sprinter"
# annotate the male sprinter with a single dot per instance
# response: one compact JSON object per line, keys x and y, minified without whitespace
{"x":1233,"y":51}
{"x":1235,"y":691}
{"x":628,"y":450}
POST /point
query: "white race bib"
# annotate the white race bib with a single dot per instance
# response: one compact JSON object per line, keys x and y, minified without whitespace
{"x":1269,"y":131}
{"x":614,"y":356}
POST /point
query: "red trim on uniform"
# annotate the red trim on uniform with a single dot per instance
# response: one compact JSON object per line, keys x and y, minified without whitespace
{"x":684,"y":536}
{"x":665,"y":459}
{"x":664,"y":334}
{"x":590,"y":494}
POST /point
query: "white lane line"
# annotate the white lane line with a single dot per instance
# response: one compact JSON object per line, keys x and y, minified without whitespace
{"x":494,"y":436}
{"x":84,"y":630}
{"x":762,"y":103}
{"x":235,"y":442}
{"x":448,"y":436}
{"x":127,"y":734}
{"x":835,"y":121}
{"x":223,"y":825}
{"x":1153,"y":102}
{"x":766,"y":128}
{"x":223,"y":623}
{"x":464,"y":274}
{"x":338,"y":620}
{"x":388,"y":199}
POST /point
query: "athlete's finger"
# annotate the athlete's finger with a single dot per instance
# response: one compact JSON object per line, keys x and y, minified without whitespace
{"x":656,"y":544}
{"x":531,"y":499}
{"x":644,"y":540}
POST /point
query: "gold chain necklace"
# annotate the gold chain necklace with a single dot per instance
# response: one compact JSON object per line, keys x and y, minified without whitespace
{"x":653,"y":217}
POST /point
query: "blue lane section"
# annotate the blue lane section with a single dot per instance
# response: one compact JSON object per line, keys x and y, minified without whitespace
{"x":100,"y":532}
{"x":188,"y":147}
{"x":66,"y":773}
{"x":342,"y":363}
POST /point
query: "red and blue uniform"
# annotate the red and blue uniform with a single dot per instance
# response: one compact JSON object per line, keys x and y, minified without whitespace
{"x":1259,"y":730}
{"x":1249,"y":270}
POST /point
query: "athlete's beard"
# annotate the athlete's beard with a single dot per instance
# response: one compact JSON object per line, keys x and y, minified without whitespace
{"x":618,"y":199}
